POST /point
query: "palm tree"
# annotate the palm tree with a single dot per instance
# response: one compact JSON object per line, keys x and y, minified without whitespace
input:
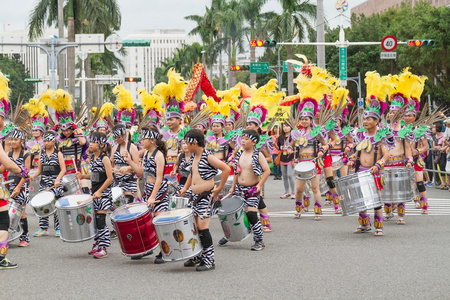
{"x":251,"y":11}
{"x":104,"y":16}
{"x":293,"y":22}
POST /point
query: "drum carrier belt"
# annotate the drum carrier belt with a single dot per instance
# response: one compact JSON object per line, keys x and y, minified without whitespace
{"x":49,"y":170}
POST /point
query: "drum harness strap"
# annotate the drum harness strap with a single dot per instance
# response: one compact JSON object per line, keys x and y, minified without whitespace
{"x":14,"y":176}
{"x":358,"y":161}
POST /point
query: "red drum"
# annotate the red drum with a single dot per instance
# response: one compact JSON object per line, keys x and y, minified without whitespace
{"x":134,"y":226}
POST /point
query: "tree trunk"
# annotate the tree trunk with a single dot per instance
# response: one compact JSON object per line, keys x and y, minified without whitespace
{"x":61,"y":57}
{"x":229,"y":64}
{"x":220,"y":63}
{"x":290,"y":73}
{"x":320,"y":35}
{"x":71,"y":56}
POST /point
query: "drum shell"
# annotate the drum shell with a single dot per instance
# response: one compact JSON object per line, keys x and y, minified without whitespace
{"x":77,"y":223}
{"x":137,"y":236}
{"x":33,"y":186}
{"x":71,"y":185}
{"x":118,"y":198}
{"x":337,"y":163}
{"x":15,"y":212}
{"x":177,"y":202}
{"x":323,"y":185}
{"x":227,"y":187}
{"x":190,"y":244}
{"x":358,"y":192}
{"x":234,"y":223}
{"x":399,"y":185}
{"x":305,"y":170}
{"x":44,"y":210}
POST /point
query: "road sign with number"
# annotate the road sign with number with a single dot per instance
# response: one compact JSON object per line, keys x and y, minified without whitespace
{"x":389,"y":43}
{"x":259,"y":67}
{"x":343,"y":65}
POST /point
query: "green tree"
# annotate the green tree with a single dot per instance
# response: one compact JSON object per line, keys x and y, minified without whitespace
{"x":17,"y":72}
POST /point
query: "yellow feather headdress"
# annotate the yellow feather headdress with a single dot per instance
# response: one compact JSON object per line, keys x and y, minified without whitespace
{"x":124,"y":100}
{"x":5,"y":91}
{"x":174,"y":89}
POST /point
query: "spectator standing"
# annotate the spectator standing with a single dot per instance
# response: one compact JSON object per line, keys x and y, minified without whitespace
{"x":286,"y":161}
{"x":275,"y":134}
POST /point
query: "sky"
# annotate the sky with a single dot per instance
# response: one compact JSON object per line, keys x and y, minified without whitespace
{"x":153,"y":14}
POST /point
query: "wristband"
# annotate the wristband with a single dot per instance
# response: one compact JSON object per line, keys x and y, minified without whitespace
{"x":352,"y":158}
{"x":410,"y":160}
{"x":78,"y":132}
{"x":419,"y":150}
{"x":380,"y":163}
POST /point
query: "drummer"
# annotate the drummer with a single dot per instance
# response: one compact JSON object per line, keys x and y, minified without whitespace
{"x":204,"y":193}
{"x":18,"y":189}
{"x":182,"y":165}
{"x":152,"y":170}
{"x":371,"y":155}
{"x":399,"y":153}
{"x":101,"y":178}
{"x":247,"y":181}
{"x":52,"y":168}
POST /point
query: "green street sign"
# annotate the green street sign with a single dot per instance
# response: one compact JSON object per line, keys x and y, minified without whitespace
{"x":259,"y":67}
{"x":285,"y":67}
{"x":136,"y":43}
{"x":33,"y":80}
{"x":343,"y":64}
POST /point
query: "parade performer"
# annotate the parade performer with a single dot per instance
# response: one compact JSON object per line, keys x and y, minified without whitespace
{"x":19,"y":187}
{"x":124,"y":103}
{"x":418,"y":139}
{"x":251,"y":172}
{"x":372,"y":152}
{"x":52,"y":168}
{"x":105,"y":123}
{"x":152,"y":171}
{"x":215,"y":142}
{"x":101,"y":178}
{"x":5,"y":93}
{"x":72,"y":141}
{"x":308,"y":138}
{"x":39,"y":120}
{"x":172,"y":94}
{"x":204,"y":193}
{"x":399,"y":153}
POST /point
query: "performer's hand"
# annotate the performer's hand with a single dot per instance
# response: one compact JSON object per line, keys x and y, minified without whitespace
{"x":258,"y":189}
{"x":15,"y":192}
{"x":78,"y":175}
{"x":231,"y":191}
{"x":151,"y":201}
{"x":32,"y":178}
{"x":347,"y":149}
{"x":414,"y":152}
{"x":97,"y":195}
{"x":374,"y":170}
{"x":409,"y":165}
{"x":126,"y":156}
{"x":215,"y":193}
{"x":350,"y":164}
{"x":57,"y":183}
{"x":320,"y":154}
{"x":172,"y":173}
{"x":182,"y":192}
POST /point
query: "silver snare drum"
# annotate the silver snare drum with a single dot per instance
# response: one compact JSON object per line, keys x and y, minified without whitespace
{"x":118,"y":198}
{"x":71,"y":185}
{"x":358,"y":192}
{"x":305,"y":170}
{"x":233,"y":219}
{"x":77,"y":222}
{"x":337,"y":162}
{"x":44,"y":204}
{"x":400,"y":185}
{"x":15,"y":212}
{"x":177,"y":202}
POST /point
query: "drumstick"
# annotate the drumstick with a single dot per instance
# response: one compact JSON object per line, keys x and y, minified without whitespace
{"x":6,"y":182}
{"x":81,"y":202}
{"x":48,"y":189}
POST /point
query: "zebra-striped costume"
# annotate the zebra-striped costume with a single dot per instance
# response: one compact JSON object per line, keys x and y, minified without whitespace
{"x":150,"y":171}
{"x":183,"y":168}
{"x":251,"y":199}
{"x":127,"y":182}
{"x":50,"y":171}
{"x":98,"y":177}
{"x":24,"y":196}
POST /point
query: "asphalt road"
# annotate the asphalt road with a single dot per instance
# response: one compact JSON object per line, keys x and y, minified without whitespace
{"x":303,"y":259}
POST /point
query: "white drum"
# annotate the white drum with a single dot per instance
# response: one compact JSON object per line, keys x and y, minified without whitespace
{"x":233,"y":219}
{"x":305,"y":170}
{"x":15,"y":212}
{"x":77,"y":221}
{"x":177,"y":234}
{"x":337,"y":162}
{"x":71,"y":185}
{"x":177,"y":202}
{"x":44,"y":204}
{"x":118,"y":198}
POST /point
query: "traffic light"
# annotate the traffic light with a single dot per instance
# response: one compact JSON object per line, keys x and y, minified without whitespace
{"x":261,"y":43}
{"x":133,"y":79}
{"x":420,"y":43}
{"x":240,"y":68}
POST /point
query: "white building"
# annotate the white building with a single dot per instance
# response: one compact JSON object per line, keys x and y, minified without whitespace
{"x":142,"y":61}
{"x":35,"y":59}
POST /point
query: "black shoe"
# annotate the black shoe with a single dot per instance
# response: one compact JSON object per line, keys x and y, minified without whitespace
{"x":223,"y":241}
{"x":159,"y":260}
{"x":205,"y":267}
{"x":141,"y":256}
{"x":258,"y":246}
{"x":113,"y":235}
{"x":6,"y":264}
{"x":192,"y":262}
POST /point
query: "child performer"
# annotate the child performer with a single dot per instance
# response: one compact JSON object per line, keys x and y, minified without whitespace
{"x":201,"y":180}
{"x":101,"y":178}
{"x":155,"y":185}
{"x":18,"y":189}
{"x":250,"y":165}
{"x":52,"y":168}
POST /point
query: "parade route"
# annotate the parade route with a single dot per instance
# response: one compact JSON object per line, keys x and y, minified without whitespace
{"x":303,"y":259}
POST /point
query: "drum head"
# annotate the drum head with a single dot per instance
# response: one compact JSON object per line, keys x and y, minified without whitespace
{"x":72,"y":200}
{"x":42,"y":198}
{"x":231,"y":205}
{"x":116,"y":192}
{"x":305,"y":166}
{"x":129,"y":212}
{"x":172,"y":216}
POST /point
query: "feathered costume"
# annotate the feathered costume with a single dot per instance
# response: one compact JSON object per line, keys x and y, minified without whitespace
{"x":152,"y":106}
{"x":124,"y":103}
{"x":39,"y":120}
{"x":5,"y":93}
{"x":105,"y":116}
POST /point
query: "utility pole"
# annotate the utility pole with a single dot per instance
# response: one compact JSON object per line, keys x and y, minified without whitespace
{"x":61,"y":58}
{"x":320,"y":35}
